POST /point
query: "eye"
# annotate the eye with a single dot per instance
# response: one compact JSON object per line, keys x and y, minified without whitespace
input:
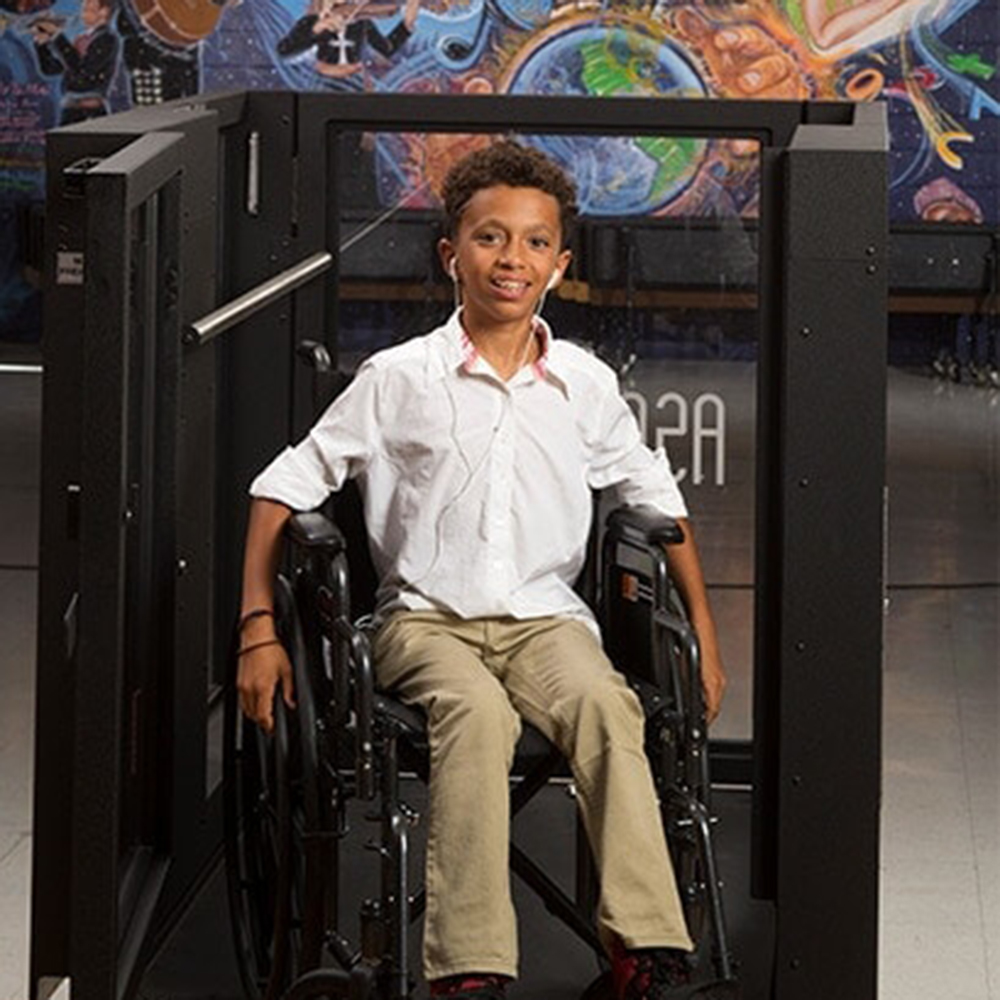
{"x":487,"y":237}
{"x":539,"y":242}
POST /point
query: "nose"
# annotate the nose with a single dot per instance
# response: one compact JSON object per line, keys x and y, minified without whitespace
{"x":512,"y":255}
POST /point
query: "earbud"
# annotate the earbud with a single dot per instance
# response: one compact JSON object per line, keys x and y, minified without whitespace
{"x":452,"y":269}
{"x":554,"y":280}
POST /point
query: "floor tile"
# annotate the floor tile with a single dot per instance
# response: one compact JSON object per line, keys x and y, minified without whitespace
{"x":17,"y":697}
{"x":931,"y":960}
{"x":15,"y":881}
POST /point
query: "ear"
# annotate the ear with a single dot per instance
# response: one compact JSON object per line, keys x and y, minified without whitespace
{"x":447,"y":254}
{"x":562,"y":262}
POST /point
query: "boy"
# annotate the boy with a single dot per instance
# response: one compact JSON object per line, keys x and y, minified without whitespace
{"x":477,"y":447}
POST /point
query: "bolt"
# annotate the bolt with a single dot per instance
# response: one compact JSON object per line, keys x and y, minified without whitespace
{"x":805,"y":332}
{"x":803,"y":483}
{"x":182,"y":567}
{"x":871,"y":268}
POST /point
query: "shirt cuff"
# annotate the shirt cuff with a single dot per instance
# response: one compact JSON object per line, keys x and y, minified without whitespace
{"x":290,"y":480}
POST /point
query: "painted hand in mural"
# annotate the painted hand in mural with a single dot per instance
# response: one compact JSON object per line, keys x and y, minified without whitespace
{"x":743,"y":58}
{"x":856,"y":24}
{"x":44,"y":29}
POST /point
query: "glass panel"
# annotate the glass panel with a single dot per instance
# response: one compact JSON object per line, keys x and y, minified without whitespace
{"x":662,"y":285}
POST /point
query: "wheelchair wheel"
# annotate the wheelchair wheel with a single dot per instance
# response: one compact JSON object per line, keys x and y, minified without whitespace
{"x":272,"y":802}
{"x":257,"y":822}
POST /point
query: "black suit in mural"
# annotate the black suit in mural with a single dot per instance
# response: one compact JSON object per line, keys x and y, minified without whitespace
{"x":342,"y":49}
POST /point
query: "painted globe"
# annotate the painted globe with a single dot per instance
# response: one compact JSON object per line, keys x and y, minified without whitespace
{"x":615,"y":175}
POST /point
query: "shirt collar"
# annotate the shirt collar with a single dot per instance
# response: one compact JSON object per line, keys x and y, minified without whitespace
{"x":460,"y":353}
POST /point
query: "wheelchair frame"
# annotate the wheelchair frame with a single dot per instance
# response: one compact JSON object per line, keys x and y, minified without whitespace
{"x":287,"y":795}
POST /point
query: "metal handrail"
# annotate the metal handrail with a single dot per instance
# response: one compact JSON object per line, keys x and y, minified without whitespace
{"x":202,"y":330}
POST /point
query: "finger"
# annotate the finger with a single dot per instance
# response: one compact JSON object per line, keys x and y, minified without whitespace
{"x":744,"y":39}
{"x":248,"y":703}
{"x":763,"y":74}
{"x":288,"y":687}
{"x":713,"y":709}
{"x":692,"y":24}
{"x":264,"y":716}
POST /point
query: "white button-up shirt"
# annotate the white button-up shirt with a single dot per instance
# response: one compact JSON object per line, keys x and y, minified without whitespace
{"x":477,"y":491}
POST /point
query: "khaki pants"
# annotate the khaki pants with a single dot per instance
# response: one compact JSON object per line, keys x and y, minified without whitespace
{"x":476,"y":680}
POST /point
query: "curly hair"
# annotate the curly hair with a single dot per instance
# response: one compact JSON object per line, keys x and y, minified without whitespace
{"x":507,"y":162}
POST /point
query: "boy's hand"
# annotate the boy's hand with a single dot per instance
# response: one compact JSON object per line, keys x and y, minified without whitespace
{"x":713,"y":682}
{"x":260,"y":672}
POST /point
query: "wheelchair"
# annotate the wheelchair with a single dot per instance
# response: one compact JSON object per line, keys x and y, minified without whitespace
{"x":289,"y":796}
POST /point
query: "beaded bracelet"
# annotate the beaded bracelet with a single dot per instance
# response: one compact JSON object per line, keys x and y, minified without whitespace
{"x":258,"y":645}
{"x":250,"y":615}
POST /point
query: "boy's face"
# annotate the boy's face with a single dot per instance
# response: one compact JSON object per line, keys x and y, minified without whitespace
{"x":505,"y":251}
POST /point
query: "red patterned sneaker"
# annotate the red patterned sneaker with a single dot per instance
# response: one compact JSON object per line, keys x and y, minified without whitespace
{"x":648,"y":973}
{"x":470,"y":986}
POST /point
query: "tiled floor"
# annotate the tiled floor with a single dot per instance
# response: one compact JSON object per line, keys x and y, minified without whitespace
{"x":19,"y":466}
{"x":941,"y":856}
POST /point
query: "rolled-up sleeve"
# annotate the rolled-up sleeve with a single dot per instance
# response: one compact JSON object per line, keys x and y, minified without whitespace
{"x":338,"y":448}
{"x":621,"y":460}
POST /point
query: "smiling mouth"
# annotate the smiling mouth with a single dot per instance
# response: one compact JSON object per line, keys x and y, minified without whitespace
{"x":510,"y":285}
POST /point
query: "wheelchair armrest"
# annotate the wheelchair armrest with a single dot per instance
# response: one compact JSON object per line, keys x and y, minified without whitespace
{"x":313,"y":530}
{"x":644,"y":526}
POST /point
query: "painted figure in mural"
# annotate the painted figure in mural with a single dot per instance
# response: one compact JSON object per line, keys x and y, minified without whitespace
{"x":162,"y":41}
{"x":86,"y":64}
{"x":339,"y":31}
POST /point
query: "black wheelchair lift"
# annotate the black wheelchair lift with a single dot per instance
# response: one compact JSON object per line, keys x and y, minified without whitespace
{"x":208,"y":231}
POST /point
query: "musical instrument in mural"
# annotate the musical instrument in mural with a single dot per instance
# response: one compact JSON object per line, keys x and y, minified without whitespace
{"x":352,"y":10}
{"x":180,"y":22}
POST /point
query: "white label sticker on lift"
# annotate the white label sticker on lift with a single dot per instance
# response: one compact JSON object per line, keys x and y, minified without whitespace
{"x":69,"y":267}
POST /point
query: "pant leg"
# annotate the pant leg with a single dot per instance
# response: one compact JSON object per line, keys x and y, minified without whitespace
{"x":559,"y":679}
{"x":435,"y":661}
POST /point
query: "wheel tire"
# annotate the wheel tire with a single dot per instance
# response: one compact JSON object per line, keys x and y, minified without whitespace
{"x":276,"y":865}
{"x":257,"y":821}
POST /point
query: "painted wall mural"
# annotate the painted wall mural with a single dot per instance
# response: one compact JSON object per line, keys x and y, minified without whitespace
{"x":934,"y":61}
